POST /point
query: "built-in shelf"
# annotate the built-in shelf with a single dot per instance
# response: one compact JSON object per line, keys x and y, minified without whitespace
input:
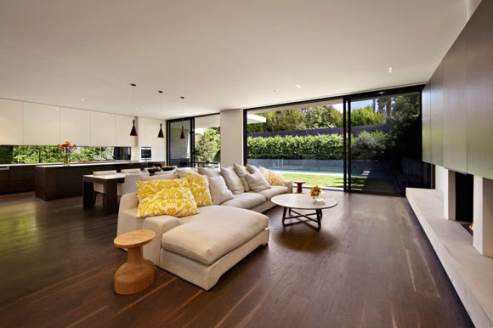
{"x":470,"y":272}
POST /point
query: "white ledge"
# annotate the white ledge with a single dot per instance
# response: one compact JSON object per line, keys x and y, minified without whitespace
{"x":470,"y":272}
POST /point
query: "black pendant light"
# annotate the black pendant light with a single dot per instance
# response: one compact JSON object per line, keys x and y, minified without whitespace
{"x":160,"y":134}
{"x":133,"y":132}
{"x":182,"y":134}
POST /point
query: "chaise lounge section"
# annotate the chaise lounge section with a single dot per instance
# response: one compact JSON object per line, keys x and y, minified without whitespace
{"x":202,"y":247}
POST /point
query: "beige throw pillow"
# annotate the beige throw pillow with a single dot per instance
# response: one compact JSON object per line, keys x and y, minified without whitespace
{"x":219,"y":191}
{"x":241,"y":171}
{"x":184,"y":171}
{"x":252,"y":168}
{"x":257,"y":182}
{"x":232,"y":180}
{"x":209,"y":171}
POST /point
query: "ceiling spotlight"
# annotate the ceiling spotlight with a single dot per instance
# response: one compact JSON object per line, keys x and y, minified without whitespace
{"x":390,"y":69}
{"x":298,"y":86}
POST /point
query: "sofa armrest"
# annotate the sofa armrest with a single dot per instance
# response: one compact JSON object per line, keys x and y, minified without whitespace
{"x":128,"y":201}
{"x":289,"y":185}
{"x":160,"y":225}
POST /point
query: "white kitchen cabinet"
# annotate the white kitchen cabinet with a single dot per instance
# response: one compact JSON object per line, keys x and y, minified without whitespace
{"x":75,"y":125}
{"x":11,"y":122}
{"x":41,"y":124}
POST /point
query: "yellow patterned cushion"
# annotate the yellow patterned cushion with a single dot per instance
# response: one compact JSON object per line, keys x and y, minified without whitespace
{"x":150,"y":187}
{"x":199,"y":185}
{"x":174,"y":201}
{"x":274,"y":178}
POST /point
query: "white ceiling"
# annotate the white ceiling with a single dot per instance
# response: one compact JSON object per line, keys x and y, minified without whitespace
{"x":218,"y":54}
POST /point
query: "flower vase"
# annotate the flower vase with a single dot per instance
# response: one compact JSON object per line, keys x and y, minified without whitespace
{"x":66,"y":159}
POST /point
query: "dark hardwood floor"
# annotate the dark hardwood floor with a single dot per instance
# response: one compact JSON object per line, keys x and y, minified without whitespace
{"x":369,"y":266}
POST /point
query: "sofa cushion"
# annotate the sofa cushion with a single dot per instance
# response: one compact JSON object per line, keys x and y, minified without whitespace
{"x":199,"y":185}
{"x":257,"y":181}
{"x":274,"y":191}
{"x":232,"y":179}
{"x":214,"y":232}
{"x":246,"y":200}
{"x":219,"y":191}
{"x":177,"y":201}
{"x":150,"y":187}
{"x":209,"y":171}
{"x":241,"y":171}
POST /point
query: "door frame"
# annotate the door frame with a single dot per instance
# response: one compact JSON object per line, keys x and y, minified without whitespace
{"x":192,"y":138}
{"x":347,"y":128}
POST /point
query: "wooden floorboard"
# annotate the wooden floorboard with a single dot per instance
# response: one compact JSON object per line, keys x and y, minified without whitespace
{"x":369,"y":266}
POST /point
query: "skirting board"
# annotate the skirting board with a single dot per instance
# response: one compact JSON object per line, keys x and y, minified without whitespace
{"x":470,"y":273}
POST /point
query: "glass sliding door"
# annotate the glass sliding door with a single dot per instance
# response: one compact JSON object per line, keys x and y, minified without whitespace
{"x":180,"y":142}
{"x":384,"y":139}
{"x":303,"y":142}
{"x":207,"y":145}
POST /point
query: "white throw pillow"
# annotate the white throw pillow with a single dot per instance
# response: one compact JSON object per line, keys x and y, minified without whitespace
{"x":159,"y":177}
{"x":252,"y":168}
{"x":257,"y":181}
{"x":183,"y":171}
{"x":209,"y":171}
{"x":232,"y":179}
{"x":219,"y":191}
{"x":241,"y":171}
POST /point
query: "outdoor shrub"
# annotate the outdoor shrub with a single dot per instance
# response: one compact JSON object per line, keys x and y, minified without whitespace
{"x":369,"y":145}
{"x":366,"y":116}
{"x":296,"y":147}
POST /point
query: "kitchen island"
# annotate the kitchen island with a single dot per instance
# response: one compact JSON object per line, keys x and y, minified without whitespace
{"x":54,"y":181}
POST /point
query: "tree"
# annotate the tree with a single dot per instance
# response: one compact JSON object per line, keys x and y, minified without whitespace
{"x":366,"y":116}
{"x":208,"y":145}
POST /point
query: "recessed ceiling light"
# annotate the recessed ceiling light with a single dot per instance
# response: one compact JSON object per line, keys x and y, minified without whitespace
{"x":82,"y":99}
{"x":390,"y":69}
{"x":298,"y":86}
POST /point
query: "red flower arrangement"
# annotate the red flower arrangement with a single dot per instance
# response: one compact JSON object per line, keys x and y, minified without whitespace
{"x":67,"y":147}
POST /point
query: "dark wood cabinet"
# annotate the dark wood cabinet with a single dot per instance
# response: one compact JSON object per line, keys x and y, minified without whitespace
{"x":436,"y":108}
{"x":16,"y":178}
{"x":58,"y":181}
{"x":454,"y":107}
{"x":461,"y":100}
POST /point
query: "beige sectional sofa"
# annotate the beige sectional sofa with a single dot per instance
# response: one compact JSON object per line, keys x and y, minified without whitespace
{"x":200,"y":248}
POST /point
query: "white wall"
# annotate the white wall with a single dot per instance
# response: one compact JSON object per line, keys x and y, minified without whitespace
{"x":231,"y":137}
{"x":27,"y":123}
{"x":147,"y":131}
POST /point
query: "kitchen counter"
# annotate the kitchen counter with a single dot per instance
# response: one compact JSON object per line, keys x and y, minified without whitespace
{"x":57,"y":165}
{"x":54,"y":181}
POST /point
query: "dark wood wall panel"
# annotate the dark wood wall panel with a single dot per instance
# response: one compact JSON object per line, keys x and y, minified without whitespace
{"x":461,"y":100}
{"x":436,"y":95}
{"x":455,"y":107}
{"x":480,"y":91}
{"x":426,"y":124}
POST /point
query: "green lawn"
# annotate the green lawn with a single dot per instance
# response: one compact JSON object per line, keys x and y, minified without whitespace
{"x":324,"y":180}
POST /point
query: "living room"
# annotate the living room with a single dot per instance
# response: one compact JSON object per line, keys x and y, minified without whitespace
{"x":250,"y":164}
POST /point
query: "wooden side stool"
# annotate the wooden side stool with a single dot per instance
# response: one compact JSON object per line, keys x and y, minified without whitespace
{"x":136,"y":274}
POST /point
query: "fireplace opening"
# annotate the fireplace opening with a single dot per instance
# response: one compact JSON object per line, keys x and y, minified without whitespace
{"x":464,"y":197}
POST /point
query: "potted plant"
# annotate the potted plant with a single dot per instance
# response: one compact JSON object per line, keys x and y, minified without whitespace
{"x":67,"y":147}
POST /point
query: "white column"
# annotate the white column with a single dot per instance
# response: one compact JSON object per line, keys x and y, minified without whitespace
{"x":445,"y":182}
{"x":231,"y":137}
{"x":449,"y":200}
{"x":483,"y":216}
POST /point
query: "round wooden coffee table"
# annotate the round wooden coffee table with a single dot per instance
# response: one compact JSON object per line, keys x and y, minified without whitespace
{"x":136,"y":274}
{"x":293,"y":202}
